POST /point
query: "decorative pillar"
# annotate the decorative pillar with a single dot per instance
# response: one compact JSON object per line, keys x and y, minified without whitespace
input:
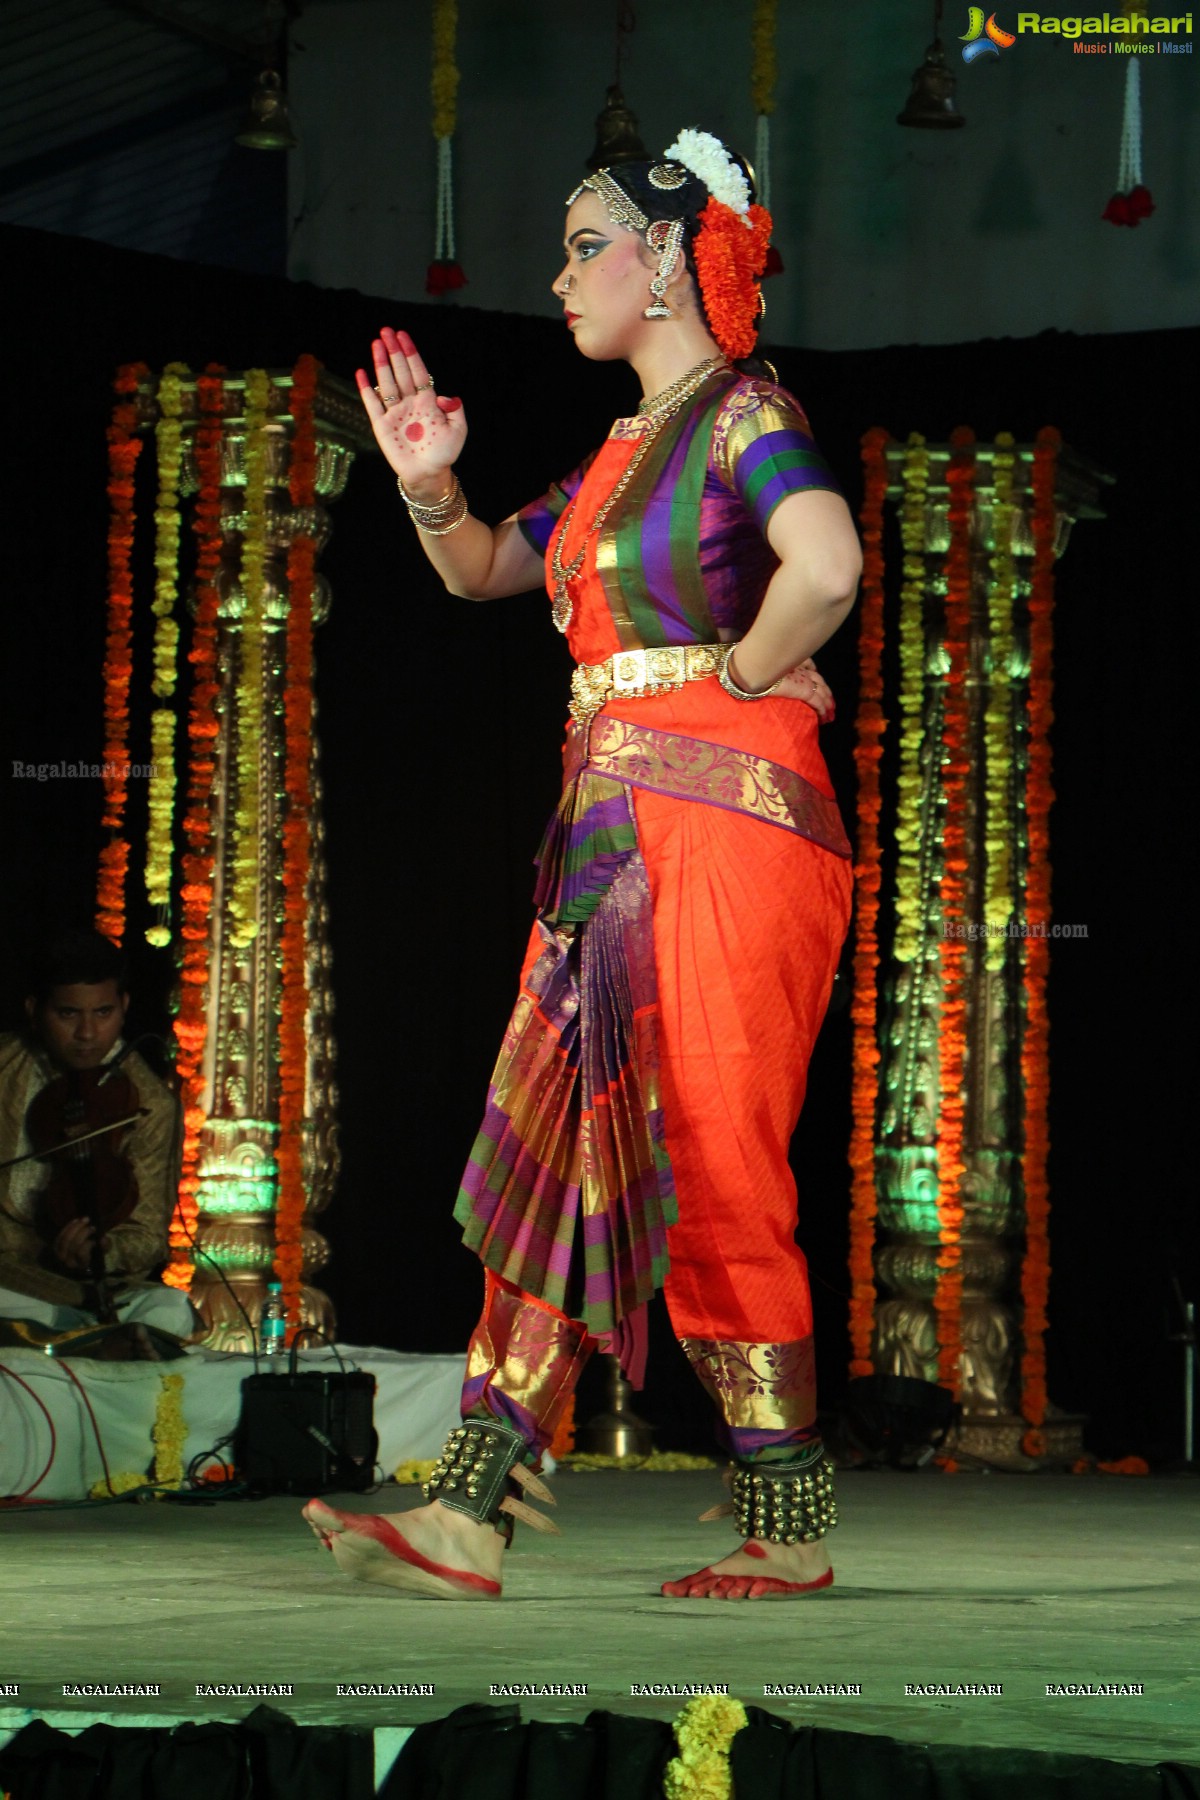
{"x":911,"y":1235}
{"x":237,"y":1086}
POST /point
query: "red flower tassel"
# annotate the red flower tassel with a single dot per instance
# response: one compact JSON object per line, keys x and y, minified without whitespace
{"x":443,"y":277}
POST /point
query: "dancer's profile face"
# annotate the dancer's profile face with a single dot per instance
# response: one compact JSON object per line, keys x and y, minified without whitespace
{"x":604,"y":285}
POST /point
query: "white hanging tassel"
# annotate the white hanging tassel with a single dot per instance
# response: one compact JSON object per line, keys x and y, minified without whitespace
{"x":762,"y":159}
{"x":444,"y":272}
{"x":1132,"y":201}
{"x":443,"y":248}
{"x":1129,"y":174}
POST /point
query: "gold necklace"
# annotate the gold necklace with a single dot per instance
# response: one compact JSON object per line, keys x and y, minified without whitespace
{"x":656,"y":411}
{"x":667,"y":400}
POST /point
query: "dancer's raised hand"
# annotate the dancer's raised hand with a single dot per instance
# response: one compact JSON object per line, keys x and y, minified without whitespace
{"x":419,"y":431}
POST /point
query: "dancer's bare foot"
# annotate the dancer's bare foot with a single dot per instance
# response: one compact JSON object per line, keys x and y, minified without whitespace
{"x":430,"y":1551}
{"x":758,"y":1570}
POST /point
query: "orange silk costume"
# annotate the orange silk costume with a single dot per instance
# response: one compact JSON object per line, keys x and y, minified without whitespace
{"x":749,"y":885}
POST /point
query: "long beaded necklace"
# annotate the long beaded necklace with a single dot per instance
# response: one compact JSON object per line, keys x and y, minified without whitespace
{"x":656,"y":411}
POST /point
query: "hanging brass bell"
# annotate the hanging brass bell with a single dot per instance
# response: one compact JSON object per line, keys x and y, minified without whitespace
{"x":266,"y":125}
{"x":930,"y":106}
{"x":617,"y":138}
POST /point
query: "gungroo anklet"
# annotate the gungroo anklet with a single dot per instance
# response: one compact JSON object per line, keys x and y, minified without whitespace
{"x":482,"y":1463}
{"x":785,"y":1503}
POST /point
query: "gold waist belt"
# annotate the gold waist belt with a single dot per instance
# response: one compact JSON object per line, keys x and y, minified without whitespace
{"x":630,"y":674}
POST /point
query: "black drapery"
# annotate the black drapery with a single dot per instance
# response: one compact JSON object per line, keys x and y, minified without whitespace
{"x":490,"y":1753}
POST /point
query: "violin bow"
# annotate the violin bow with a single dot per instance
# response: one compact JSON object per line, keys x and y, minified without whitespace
{"x":70,"y":1143}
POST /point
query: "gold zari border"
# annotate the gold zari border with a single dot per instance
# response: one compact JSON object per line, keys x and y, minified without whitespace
{"x":716,"y":774}
{"x":757,"y":1387}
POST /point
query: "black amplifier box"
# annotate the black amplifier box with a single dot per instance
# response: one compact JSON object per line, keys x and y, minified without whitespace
{"x":309,"y":1433}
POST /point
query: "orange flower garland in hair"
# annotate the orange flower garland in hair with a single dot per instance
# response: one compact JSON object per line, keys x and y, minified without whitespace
{"x":199,"y":856}
{"x":868,"y":754}
{"x":730,"y":256}
{"x":1035,"y":1041}
{"x":124,"y":448}
{"x":952,"y":1045}
{"x":297,"y":727}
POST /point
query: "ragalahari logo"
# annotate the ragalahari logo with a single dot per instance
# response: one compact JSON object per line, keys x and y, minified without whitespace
{"x":984,"y":38}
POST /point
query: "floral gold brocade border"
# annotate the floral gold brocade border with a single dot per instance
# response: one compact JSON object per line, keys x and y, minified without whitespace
{"x":757,"y":1387}
{"x":715,"y":774}
{"x":530,"y":1354}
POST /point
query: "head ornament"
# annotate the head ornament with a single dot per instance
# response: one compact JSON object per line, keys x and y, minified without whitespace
{"x":726,"y":239}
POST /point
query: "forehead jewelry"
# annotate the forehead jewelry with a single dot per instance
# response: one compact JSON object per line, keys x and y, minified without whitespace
{"x":617,"y":204}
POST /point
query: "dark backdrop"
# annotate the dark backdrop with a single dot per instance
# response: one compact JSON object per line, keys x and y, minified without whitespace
{"x":440,"y":725}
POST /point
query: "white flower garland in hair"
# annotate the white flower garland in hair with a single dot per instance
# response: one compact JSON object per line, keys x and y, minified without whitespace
{"x":706,"y":157}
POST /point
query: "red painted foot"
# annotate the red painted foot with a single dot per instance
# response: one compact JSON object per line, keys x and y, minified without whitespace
{"x":707,"y":1584}
{"x":370,"y":1548}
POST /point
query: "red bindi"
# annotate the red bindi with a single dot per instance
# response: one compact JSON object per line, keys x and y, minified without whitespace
{"x":414,"y":433}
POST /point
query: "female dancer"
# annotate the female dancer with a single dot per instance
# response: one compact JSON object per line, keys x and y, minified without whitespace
{"x":693,"y":892}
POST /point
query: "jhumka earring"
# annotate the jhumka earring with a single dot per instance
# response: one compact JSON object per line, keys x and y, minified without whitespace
{"x":665,"y":236}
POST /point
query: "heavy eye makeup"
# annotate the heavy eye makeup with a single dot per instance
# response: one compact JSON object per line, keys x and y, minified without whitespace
{"x":586,"y":247}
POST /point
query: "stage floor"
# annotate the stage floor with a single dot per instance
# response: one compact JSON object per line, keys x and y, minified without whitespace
{"x":1017,"y":1580}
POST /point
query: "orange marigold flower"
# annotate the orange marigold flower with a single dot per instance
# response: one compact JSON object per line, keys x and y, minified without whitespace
{"x":730,"y":256}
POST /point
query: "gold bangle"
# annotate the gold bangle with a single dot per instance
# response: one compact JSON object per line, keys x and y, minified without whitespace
{"x":411,"y":500}
{"x":440,"y":519}
{"x":731,"y":687}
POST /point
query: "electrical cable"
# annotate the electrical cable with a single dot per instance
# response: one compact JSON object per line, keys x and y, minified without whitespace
{"x":324,"y":1337}
{"x":18,"y":1499}
{"x":68,"y":1370}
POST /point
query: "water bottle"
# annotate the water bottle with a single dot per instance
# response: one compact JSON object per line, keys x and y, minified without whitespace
{"x":272,"y":1326}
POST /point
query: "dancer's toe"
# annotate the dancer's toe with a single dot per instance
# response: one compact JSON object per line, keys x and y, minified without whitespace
{"x":725,"y":1584}
{"x":323,"y":1522}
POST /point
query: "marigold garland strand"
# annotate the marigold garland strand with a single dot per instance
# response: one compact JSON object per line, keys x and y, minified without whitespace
{"x":443,"y":83}
{"x":764,"y":73}
{"x":947,"y":1299}
{"x":298,"y":727}
{"x":199,"y":855}
{"x":870,"y":727}
{"x":909,"y":897}
{"x":1035,"y":1041}
{"x":170,"y":1432}
{"x":124,"y":448}
{"x":161,"y":800}
{"x":704,"y":1731}
{"x":248,"y":713}
{"x":998,"y":724}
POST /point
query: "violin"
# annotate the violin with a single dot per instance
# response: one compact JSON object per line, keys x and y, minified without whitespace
{"x":79,"y":1124}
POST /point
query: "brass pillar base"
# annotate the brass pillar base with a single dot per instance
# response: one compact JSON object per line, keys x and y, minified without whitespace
{"x":227,"y":1327}
{"x":996,"y":1440}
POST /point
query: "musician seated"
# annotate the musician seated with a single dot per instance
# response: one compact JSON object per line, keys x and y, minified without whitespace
{"x":83,"y":1233}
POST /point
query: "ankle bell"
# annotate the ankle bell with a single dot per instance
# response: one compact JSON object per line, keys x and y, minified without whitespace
{"x":479,"y":1469}
{"x":784,"y":1503}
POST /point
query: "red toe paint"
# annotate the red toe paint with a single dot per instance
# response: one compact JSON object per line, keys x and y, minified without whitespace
{"x":706,"y":1584}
